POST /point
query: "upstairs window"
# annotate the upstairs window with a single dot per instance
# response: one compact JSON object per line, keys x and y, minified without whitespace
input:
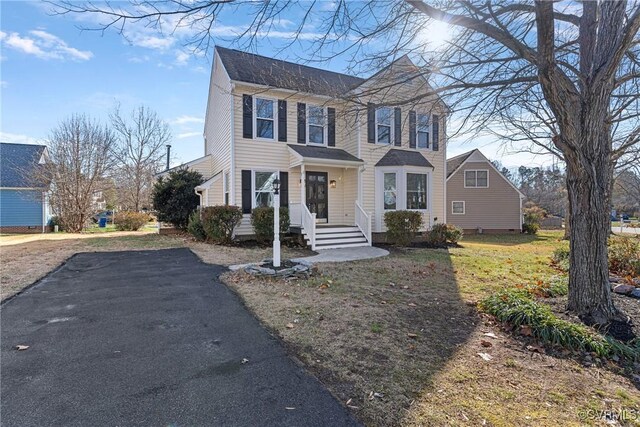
{"x":316,"y":124}
{"x":476,"y":178}
{"x":384,"y":124}
{"x":422,"y":131}
{"x":265,"y":118}
{"x":417,"y":191}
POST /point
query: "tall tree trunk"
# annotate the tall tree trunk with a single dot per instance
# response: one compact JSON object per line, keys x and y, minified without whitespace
{"x":567,"y":218}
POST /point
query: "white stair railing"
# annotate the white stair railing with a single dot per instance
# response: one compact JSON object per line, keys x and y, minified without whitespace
{"x":309,"y":225}
{"x":363,"y":222}
{"x":295,"y":213}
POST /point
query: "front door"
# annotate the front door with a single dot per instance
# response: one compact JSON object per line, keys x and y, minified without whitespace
{"x":317,"y":195}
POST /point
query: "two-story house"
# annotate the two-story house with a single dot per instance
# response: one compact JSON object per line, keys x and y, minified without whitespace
{"x":345,"y":149}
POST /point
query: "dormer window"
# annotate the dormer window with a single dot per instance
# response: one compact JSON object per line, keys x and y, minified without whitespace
{"x":316,"y":125}
{"x":265,"y":118}
{"x":384,"y":125}
{"x":422,"y":131}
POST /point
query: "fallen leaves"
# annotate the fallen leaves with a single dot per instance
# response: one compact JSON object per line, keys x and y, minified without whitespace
{"x":411,"y":335}
{"x":490,"y":335}
{"x":486,"y":343}
{"x":290,"y":325}
{"x":485,"y":356}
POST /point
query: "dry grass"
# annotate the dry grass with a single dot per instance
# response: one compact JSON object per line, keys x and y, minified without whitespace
{"x":26,"y":258}
{"x":352,"y":324}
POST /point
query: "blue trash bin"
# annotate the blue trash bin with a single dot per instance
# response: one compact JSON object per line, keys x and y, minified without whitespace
{"x":102,"y":222}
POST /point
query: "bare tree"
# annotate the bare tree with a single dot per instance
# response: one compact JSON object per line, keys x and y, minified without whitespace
{"x":79,"y":157}
{"x":139,"y":153}
{"x":570,"y":58}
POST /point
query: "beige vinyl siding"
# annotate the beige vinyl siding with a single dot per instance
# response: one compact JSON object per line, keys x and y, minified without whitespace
{"x":204,"y":166}
{"x":218,"y":118}
{"x":214,"y":193}
{"x":494,"y":208}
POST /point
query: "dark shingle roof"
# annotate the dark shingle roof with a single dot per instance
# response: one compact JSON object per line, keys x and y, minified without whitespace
{"x":396,"y":157}
{"x":324,"y":153}
{"x":257,"y":69}
{"x":18,"y":164}
{"x":455,"y":162}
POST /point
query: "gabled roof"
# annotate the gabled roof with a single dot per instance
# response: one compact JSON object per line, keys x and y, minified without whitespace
{"x":324,"y":153}
{"x":395,"y":157}
{"x":261,"y":70}
{"x":455,"y":162}
{"x":19,"y":165}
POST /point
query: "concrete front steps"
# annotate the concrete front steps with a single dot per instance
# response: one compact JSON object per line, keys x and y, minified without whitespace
{"x":333,"y":237}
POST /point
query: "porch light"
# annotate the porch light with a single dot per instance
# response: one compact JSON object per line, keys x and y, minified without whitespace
{"x":332,"y":183}
{"x":276,"y":186}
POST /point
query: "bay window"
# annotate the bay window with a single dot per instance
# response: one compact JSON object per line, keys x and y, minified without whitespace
{"x":265,"y":118}
{"x":416,"y":191}
{"x":390,"y":191}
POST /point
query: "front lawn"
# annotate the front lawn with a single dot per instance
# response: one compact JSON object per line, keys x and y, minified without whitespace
{"x":399,"y":339}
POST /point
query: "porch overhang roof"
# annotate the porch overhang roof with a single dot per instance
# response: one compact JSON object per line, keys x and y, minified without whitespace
{"x":322,"y":156}
{"x":395,"y":157}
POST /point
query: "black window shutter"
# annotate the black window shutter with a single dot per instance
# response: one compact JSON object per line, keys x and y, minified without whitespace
{"x":284,"y":189}
{"x":371,"y":123}
{"x":435,"y":130}
{"x":331,"y":126}
{"x":397,"y":126}
{"x":246,"y":191}
{"x":412,"y":129}
{"x":282,"y":120}
{"x":247,"y":116}
{"x":302,"y":123}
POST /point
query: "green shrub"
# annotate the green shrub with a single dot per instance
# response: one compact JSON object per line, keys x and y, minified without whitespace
{"x":174,"y":197}
{"x":624,"y":256}
{"x":533,"y":215}
{"x":130,"y":221}
{"x":560,"y":257}
{"x":518,"y":308}
{"x":219,"y":222}
{"x":262,"y":221}
{"x":402,"y":226}
{"x":195,"y":227}
{"x":442,"y":234}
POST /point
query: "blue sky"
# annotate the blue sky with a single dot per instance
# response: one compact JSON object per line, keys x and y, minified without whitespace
{"x":50,"y":69}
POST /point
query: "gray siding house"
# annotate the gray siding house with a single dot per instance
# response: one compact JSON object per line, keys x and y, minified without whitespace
{"x":479,"y":198}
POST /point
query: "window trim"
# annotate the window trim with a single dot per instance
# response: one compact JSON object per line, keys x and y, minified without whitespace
{"x":464,"y":177}
{"x":464,"y":208}
{"x":275,"y":119}
{"x":253,"y":183}
{"x":325,"y":127}
{"x":391,"y":126}
{"x":429,"y":146}
{"x":395,"y":173}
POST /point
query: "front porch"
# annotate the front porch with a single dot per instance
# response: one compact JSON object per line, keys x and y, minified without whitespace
{"x":326,"y":211}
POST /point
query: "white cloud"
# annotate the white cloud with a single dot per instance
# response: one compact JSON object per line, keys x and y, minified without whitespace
{"x":188,"y":135}
{"x":17,"y":138}
{"x":4,"y":83}
{"x":151,"y":42}
{"x":44,"y":46}
{"x":182,"y":57}
{"x":184,"y":119}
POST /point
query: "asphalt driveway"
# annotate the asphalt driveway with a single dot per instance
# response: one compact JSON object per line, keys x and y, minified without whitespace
{"x":148,"y":338}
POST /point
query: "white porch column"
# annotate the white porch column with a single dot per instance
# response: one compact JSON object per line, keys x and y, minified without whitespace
{"x":303,"y":187}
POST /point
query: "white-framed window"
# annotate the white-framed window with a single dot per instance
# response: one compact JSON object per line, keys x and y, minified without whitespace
{"x":316,"y":125}
{"x":226,"y":185}
{"x":390,"y":190}
{"x":417,"y":191}
{"x":384,"y":125}
{"x":265,"y":118}
{"x":263,"y":188}
{"x":476,"y":178}
{"x":422,"y":131}
{"x":457,"y":207}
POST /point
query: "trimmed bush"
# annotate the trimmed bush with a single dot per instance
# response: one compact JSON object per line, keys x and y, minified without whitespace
{"x":402,"y":226}
{"x":174,"y":197}
{"x":262,"y":221}
{"x":624,"y":256}
{"x":442,"y":234}
{"x":518,"y":308}
{"x":195,"y":227}
{"x":219,"y":222}
{"x":130,"y":221}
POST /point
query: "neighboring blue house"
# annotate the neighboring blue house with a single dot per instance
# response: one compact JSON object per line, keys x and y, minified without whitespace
{"x":23,"y":200}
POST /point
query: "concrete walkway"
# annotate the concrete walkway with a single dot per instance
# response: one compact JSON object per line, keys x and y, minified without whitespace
{"x":344,"y":254}
{"x":148,"y":338}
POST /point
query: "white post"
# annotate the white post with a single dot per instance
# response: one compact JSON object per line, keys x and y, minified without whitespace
{"x":276,"y":229}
